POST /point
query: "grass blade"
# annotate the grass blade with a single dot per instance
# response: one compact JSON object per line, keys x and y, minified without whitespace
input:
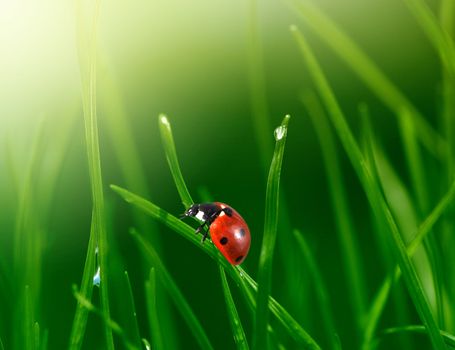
{"x":88,"y":79}
{"x":150,"y":294}
{"x":378,"y":305}
{"x":174,"y":291}
{"x":256,"y":79}
{"x":321,"y":291}
{"x":368,"y":72}
{"x":440,"y":39}
{"x":81,"y":314}
{"x":269,"y":238}
{"x":372,"y":191}
{"x":112,"y":325}
{"x":237,"y":273}
{"x":171,"y":156}
{"x":234,"y":319}
{"x":29,"y":335}
{"x":448,"y":338}
{"x":124,"y":146}
{"x":132,"y":319}
{"x":345,"y":225}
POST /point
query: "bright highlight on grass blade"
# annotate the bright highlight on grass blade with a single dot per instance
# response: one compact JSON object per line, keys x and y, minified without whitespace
{"x":269,"y":238}
{"x":448,"y":338}
{"x":381,"y":298}
{"x":171,"y":156}
{"x":372,"y":190}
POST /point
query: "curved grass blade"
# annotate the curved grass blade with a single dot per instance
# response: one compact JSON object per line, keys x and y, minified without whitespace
{"x":112,"y":325}
{"x":257,"y":85}
{"x":174,"y":291}
{"x":290,"y":324}
{"x":346,"y":228}
{"x":171,"y":156}
{"x":132,"y":317}
{"x":81,"y":314}
{"x":372,"y":190}
{"x":380,"y":300}
{"x":238,"y":274}
{"x":87,"y":63}
{"x":440,"y":38}
{"x":321,"y":291}
{"x":368,"y":72}
{"x":269,"y":238}
{"x":150,"y":295}
{"x":234,"y":319}
{"x":448,"y":338}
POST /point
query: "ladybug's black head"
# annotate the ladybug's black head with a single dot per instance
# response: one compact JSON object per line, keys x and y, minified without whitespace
{"x":203,"y":211}
{"x":191,"y":211}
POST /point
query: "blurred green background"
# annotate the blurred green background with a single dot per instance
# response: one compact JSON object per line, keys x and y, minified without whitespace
{"x":194,"y":61}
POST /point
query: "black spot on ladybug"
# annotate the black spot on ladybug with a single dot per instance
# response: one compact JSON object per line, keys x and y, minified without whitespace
{"x":223,"y":240}
{"x":239,"y":258}
{"x":242,"y":232}
{"x":228,"y":211}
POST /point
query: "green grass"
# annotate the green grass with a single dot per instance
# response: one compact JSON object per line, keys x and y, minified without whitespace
{"x":234,"y":319}
{"x":352,"y":230}
{"x":373,"y":192}
{"x":269,"y":237}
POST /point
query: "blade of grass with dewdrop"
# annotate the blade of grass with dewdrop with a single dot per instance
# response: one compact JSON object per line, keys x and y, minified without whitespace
{"x":448,"y":338}
{"x":81,"y":314}
{"x":269,"y":238}
{"x":112,"y":325}
{"x":324,"y":307}
{"x":378,"y":305}
{"x":171,"y":156}
{"x":372,"y":191}
{"x":368,"y":72}
{"x":87,"y":63}
{"x":345,"y":225}
{"x":151,"y":302}
{"x":132,"y":317}
{"x":237,"y":273}
{"x":234,"y":319}
{"x":174,"y":291}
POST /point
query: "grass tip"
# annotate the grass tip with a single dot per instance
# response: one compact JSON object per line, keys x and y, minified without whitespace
{"x":163,"y":120}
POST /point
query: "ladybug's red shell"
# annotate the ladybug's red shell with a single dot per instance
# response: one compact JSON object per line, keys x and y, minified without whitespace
{"x":231,"y":235}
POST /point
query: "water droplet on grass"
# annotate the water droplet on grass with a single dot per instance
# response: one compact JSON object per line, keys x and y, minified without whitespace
{"x":97,"y":277}
{"x":280,"y":132}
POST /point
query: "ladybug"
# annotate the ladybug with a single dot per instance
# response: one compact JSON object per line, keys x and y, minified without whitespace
{"x":228,"y":230}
